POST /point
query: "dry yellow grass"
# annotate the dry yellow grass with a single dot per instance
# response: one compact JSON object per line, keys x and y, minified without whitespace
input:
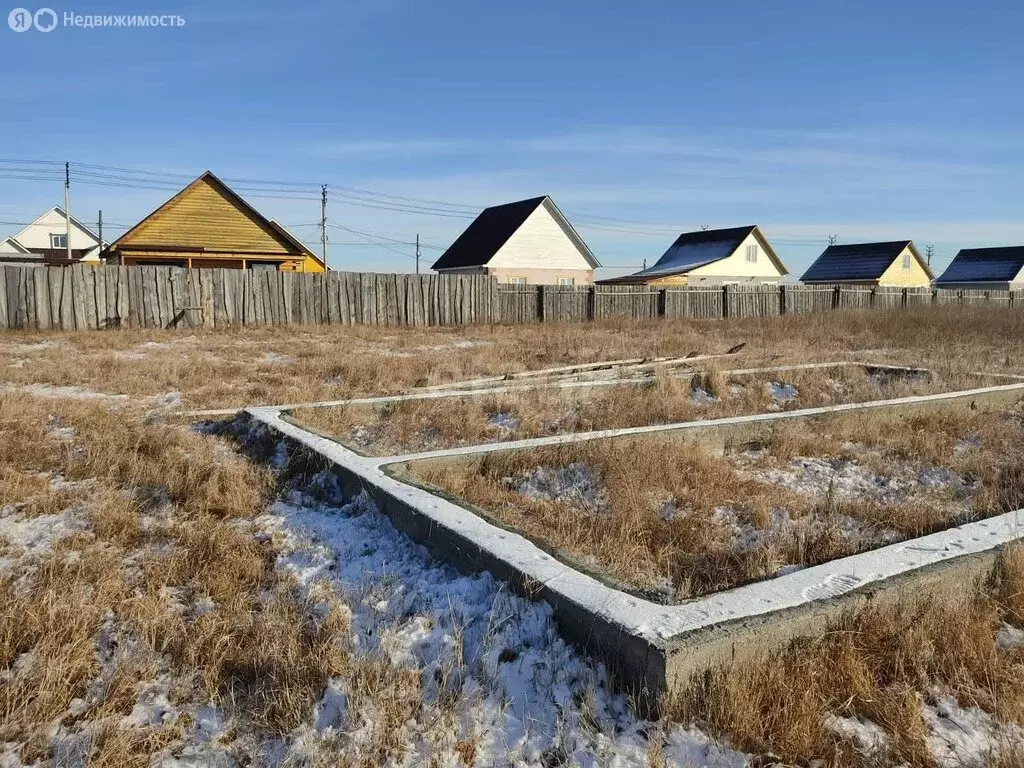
{"x":429,"y":424}
{"x":680,"y":521}
{"x":876,"y":664}
{"x":247,"y":366}
{"x":165,"y":527}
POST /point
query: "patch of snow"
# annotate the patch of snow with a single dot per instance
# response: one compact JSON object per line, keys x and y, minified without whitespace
{"x":277,"y":359}
{"x":959,"y":737}
{"x":504,"y":421}
{"x":1009,"y":637}
{"x":153,"y":708}
{"x":77,"y":393}
{"x":701,"y":396}
{"x":37,"y":534}
{"x":868,"y":736}
{"x":966,"y":444}
{"x":166,"y":400}
{"x":574,"y":484}
{"x":470,"y":343}
{"x":521,"y":691}
{"x":782,"y":392}
{"x":813,"y":476}
{"x":361,"y":435}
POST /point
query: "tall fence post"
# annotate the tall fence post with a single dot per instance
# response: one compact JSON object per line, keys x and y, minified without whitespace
{"x":540,"y":303}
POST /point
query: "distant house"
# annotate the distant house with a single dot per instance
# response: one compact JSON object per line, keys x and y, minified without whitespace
{"x":526,"y":242}
{"x":208,"y":225}
{"x":712,"y":257}
{"x":992,"y":269}
{"x":895,"y":263}
{"x":45,"y":241}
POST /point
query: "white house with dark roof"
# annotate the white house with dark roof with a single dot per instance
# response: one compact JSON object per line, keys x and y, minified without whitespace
{"x":990,"y":269}
{"x":526,"y":242}
{"x":896,"y":263}
{"x":45,"y":241}
{"x":712,"y":257}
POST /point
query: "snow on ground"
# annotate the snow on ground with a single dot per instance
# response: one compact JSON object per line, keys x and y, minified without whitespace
{"x":526,"y":696}
{"x":574,"y":484}
{"x":782,"y":392}
{"x":504,"y":421}
{"x":31,"y":536}
{"x":700,"y":396}
{"x":1009,"y":637}
{"x":870,"y":738}
{"x":959,"y":737}
{"x":848,"y":478}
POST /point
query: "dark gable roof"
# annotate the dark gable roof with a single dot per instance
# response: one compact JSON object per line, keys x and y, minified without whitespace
{"x":492,"y":229}
{"x":981,"y":265}
{"x":695,"y":249}
{"x":857,"y":261}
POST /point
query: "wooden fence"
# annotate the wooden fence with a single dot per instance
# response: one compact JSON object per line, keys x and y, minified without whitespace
{"x":82,"y":297}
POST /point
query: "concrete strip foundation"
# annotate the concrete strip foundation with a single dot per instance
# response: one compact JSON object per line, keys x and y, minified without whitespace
{"x":652,"y":648}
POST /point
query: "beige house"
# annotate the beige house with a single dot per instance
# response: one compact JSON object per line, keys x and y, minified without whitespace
{"x":712,"y":257}
{"x":45,"y":242}
{"x":528,"y":242}
{"x":896,"y":264}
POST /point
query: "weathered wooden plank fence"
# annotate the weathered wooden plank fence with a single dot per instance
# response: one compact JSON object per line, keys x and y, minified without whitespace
{"x":85,"y":298}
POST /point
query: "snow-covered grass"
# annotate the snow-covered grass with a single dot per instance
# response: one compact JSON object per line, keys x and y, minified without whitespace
{"x":492,"y":682}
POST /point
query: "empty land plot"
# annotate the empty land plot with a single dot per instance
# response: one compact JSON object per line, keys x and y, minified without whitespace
{"x":415,"y":425}
{"x":673,"y":520}
{"x":292,"y":364}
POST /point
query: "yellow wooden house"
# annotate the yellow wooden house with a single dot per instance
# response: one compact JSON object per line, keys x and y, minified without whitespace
{"x":896,"y":263}
{"x":209,"y":225}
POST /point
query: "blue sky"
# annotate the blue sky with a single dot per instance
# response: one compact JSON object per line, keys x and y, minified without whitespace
{"x":866,"y":120}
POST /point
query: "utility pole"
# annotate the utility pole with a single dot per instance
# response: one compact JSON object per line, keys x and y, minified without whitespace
{"x":930,"y":250}
{"x":323,"y":221}
{"x":67,"y":208}
{"x":417,"y":253}
{"x":833,"y":239}
{"x":100,"y":230}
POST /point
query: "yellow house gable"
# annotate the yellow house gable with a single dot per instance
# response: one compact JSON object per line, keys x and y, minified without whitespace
{"x":207,"y":216}
{"x":906,"y":271}
{"x":739,"y":265}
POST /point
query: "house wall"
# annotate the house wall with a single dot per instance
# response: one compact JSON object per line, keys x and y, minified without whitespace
{"x":542,"y":276}
{"x":37,"y":235}
{"x":541,"y":247}
{"x":913,"y":277}
{"x":196,"y":260}
{"x":737,"y":268}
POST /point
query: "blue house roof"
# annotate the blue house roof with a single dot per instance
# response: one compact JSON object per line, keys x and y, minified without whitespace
{"x":856,"y":262}
{"x":984,"y":265}
{"x":695,"y":249}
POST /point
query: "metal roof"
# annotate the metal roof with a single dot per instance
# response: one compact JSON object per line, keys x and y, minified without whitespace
{"x":855,"y":261}
{"x":980,"y":265}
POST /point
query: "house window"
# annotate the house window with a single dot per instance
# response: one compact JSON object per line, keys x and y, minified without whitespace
{"x":906,"y":260}
{"x":567,"y":281}
{"x":752,"y":254}
{"x":517,"y":281}
{"x":58,"y":241}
